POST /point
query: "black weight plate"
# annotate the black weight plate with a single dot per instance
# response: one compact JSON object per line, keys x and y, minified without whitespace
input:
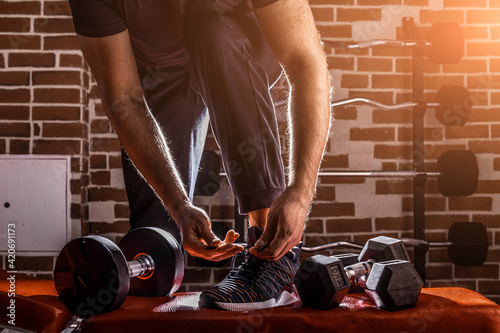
{"x":167,"y":257}
{"x":459,"y":173}
{"x":91,"y":276}
{"x":470,"y":243}
{"x":447,"y":43}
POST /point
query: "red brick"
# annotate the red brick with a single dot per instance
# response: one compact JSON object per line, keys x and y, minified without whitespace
{"x":59,"y":147}
{"x":332,"y":209}
{"x":325,"y":193}
{"x":64,"y":130}
{"x":56,"y":113}
{"x":122,"y":211}
{"x":420,"y":3}
{"x":54,"y":25}
{"x":393,"y":187}
{"x":343,"y":63}
{"x":434,"y":134}
{"x":464,"y":3}
{"x":354,"y":81}
{"x":468,"y":131}
{"x":391,"y":117}
{"x":378,"y":2}
{"x":485,"y":146}
{"x":332,"y":2}
{"x":489,"y":287}
{"x":470,"y":203}
{"x":496,"y":164}
{"x":335,"y":31}
{"x":107,"y":194}
{"x":335,"y":161}
{"x":15,"y":95}
{"x":57,"y":95}
{"x":14,"y":78}
{"x":115,"y":162}
{"x":432,"y":204}
{"x":467,"y":66}
{"x":14,"y":112}
{"x":314,"y":226}
{"x":100,"y":178}
{"x":322,"y":14}
{"x":345,"y":113}
{"x":98,"y":162}
{"x":485,"y":271}
{"x":21,"y":42}
{"x":372,"y":134}
{"x":3,"y":147}
{"x":435,"y":82}
{"x":71,"y":60}
{"x":100,"y":126}
{"x":475,"y":32}
{"x":375,"y":64}
{"x":443,"y":271}
{"x":61,"y":43}
{"x":20,"y":7}
{"x":19,"y":147}
{"x":105,"y":145}
{"x":15,"y":24}
{"x":321,"y":240}
{"x":32,"y":59}
{"x":433,"y":16}
{"x":56,"y":8}
{"x":348,"y":225}
{"x":478,"y":16}
{"x":392,"y":151}
{"x":352,"y":15}
{"x":56,"y":78}
{"x":479,"y":49}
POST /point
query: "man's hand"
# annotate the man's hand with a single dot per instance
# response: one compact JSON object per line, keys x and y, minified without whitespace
{"x":284,"y":226}
{"x":198,"y":238}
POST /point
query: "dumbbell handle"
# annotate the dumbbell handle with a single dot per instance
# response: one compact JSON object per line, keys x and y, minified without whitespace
{"x":142,"y":265}
{"x":358,"y":270}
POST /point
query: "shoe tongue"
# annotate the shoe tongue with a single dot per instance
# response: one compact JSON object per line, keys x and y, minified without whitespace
{"x":253,"y":234}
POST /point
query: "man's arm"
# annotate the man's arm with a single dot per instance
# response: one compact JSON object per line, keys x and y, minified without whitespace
{"x":113,"y":64}
{"x":291,"y":33}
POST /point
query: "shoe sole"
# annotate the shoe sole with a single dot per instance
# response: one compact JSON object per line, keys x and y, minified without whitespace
{"x":283,"y":299}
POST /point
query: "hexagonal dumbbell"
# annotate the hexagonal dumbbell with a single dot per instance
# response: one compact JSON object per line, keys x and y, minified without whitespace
{"x":322,"y":282}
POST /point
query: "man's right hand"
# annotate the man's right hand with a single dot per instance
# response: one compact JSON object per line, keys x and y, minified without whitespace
{"x":198,"y":238}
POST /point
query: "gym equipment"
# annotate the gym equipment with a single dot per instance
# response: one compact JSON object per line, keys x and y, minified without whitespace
{"x":467,"y":244}
{"x":322,"y":282}
{"x":457,"y":175}
{"x":92,"y":275}
{"x":453,"y":105}
{"x":445,"y":44}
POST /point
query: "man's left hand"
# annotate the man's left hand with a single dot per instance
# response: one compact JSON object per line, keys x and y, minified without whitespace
{"x":285,"y":224}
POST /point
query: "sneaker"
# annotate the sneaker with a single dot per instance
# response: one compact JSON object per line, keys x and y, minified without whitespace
{"x":255,"y":283}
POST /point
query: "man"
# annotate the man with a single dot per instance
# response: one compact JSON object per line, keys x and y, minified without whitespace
{"x":159,"y":73}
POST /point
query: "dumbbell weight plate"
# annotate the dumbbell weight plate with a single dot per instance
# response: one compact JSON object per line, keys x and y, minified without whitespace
{"x":167,"y":256}
{"x":469,"y":243}
{"x":455,"y":105}
{"x":459,"y":173}
{"x":447,"y":43}
{"x":91,"y":276}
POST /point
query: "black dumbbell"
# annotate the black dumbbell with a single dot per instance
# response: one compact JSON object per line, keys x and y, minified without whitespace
{"x":322,"y":282}
{"x":467,"y":243}
{"x":92,"y":274}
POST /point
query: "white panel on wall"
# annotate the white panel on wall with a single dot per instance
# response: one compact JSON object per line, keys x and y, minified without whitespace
{"x":35,"y":197}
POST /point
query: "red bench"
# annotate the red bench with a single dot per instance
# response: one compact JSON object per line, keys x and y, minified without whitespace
{"x":438,"y":310}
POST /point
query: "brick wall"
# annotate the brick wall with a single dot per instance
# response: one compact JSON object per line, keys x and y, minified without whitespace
{"x":50,"y":105}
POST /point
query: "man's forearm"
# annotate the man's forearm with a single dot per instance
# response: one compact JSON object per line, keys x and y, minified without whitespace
{"x":145,"y":144}
{"x":309,"y":122}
